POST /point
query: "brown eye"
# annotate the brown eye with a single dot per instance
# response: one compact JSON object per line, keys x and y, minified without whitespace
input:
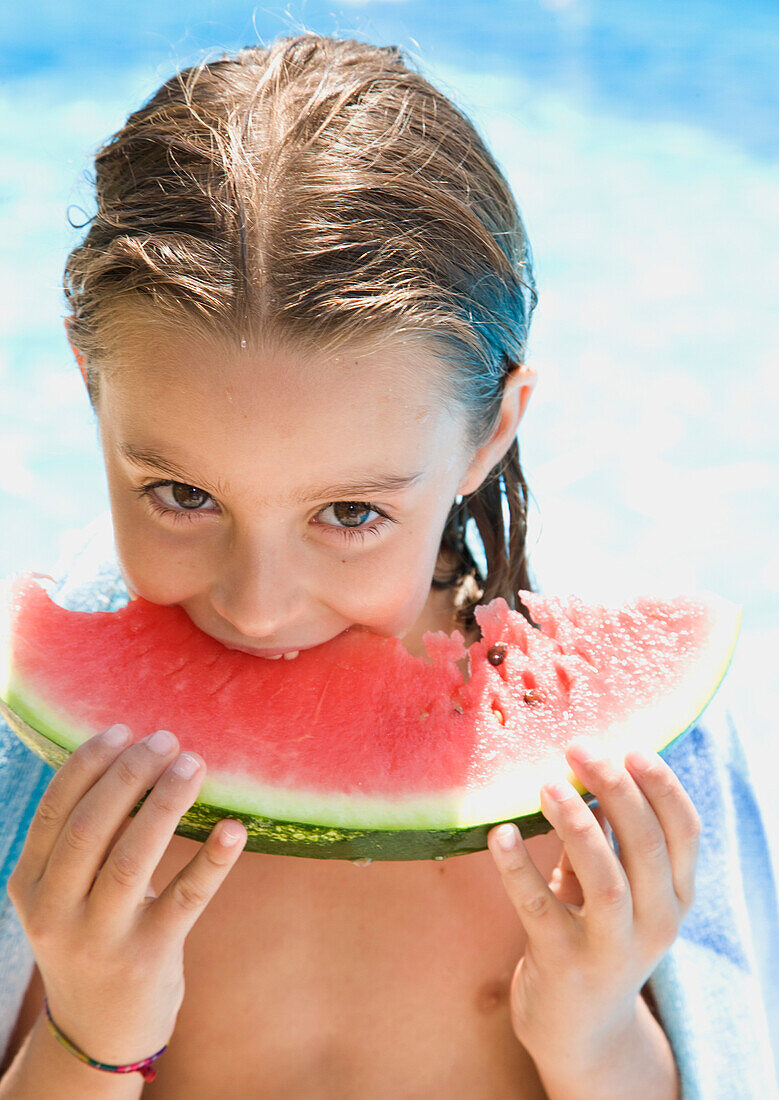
{"x":351,"y":513}
{"x":187,"y":496}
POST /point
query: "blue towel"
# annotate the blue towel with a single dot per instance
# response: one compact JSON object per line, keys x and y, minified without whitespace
{"x":716,"y":989}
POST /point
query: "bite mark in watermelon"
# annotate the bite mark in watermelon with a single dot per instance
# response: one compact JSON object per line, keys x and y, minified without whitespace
{"x":357,"y":749}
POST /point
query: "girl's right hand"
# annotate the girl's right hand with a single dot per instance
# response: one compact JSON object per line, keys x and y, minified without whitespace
{"x":109,"y":950}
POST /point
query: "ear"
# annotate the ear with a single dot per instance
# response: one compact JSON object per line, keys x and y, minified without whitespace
{"x":516,"y":393}
{"x":81,"y":359}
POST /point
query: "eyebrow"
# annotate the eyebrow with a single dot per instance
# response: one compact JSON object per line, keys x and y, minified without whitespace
{"x":368,"y":483}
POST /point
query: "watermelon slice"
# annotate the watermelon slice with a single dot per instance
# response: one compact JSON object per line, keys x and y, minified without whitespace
{"x":356,"y":749}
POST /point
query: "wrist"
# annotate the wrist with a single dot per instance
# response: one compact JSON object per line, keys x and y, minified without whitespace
{"x":104,"y":1032}
{"x":589,"y":1042}
{"x":42,"y":1067}
{"x":145,"y":1067}
{"x":632,"y":1057}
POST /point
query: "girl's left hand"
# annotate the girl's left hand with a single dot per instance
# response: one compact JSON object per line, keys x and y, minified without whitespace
{"x":599,"y":928}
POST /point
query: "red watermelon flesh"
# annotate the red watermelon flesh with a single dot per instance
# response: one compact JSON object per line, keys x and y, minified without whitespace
{"x":359,"y":733}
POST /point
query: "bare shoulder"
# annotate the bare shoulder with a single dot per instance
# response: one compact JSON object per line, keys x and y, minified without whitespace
{"x":32,"y":1006}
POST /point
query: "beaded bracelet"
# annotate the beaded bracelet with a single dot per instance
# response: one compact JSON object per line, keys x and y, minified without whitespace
{"x":145,"y":1067}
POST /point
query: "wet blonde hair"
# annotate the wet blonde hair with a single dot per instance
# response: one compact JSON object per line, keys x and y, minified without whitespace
{"x":323,"y":191}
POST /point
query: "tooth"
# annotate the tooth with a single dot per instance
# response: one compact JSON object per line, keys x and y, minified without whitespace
{"x":289,"y":656}
{"x":277,"y":658}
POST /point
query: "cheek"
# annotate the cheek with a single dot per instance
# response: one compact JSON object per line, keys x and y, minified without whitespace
{"x":156,"y":563}
{"x":390,"y":598}
{"x":393,"y":608}
{"x":152,"y":564}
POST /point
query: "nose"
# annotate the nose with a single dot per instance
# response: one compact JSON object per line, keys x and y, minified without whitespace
{"x":259,"y":591}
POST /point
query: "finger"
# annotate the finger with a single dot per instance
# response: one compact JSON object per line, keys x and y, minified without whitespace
{"x":545,"y":920}
{"x":124,"y":880}
{"x":604,"y":885}
{"x":600,"y":816}
{"x":678,"y":818}
{"x":70,"y":783}
{"x":83,"y":842}
{"x":643,"y":851}
{"x":564,"y":883}
{"x":186,"y":896}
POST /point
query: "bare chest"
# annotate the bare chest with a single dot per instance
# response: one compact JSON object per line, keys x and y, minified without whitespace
{"x":314,"y":979}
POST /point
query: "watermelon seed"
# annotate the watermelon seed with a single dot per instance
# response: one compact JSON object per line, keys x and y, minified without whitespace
{"x":458,"y":707}
{"x":534,"y":696}
{"x":496,"y":653}
{"x":499,"y":715}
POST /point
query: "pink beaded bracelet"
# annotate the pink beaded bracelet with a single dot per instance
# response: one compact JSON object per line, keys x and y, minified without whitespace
{"x":145,"y":1067}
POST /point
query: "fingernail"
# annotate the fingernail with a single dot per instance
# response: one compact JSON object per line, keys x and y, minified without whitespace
{"x":506,"y":837}
{"x":560,"y":791}
{"x":160,"y":742}
{"x":116,"y":735}
{"x":584,"y":751}
{"x":186,"y":765}
{"x":229,"y":835}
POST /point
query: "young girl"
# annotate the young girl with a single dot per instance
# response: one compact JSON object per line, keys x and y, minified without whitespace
{"x":301,"y":315}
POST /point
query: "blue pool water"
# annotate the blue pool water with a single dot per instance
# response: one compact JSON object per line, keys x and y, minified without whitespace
{"x":641,"y":141}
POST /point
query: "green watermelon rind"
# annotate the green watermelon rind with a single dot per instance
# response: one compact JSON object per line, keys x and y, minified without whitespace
{"x":312,"y":824}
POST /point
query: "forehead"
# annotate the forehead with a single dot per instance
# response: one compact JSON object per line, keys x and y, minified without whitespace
{"x":166,"y":365}
{"x":281,"y":409}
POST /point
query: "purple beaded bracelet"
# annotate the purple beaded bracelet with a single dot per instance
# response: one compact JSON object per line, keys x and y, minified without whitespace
{"x":145,"y":1067}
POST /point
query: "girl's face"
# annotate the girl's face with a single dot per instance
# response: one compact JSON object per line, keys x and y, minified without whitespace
{"x":281,"y":498}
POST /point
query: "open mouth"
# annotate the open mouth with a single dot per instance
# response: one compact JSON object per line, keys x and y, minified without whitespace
{"x":277,"y":654}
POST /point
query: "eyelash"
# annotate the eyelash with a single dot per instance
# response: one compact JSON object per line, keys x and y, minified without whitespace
{"x":351,"y":534}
